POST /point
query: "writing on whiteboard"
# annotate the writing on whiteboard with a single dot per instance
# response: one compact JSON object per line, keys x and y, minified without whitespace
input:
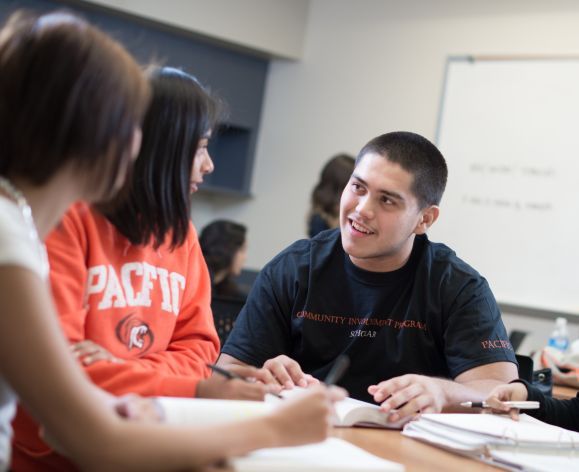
{"x":486,"y":196}
{"x":511,"y":170}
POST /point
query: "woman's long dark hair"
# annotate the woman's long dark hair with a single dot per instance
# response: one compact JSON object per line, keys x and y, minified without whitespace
{"x":220,"y":240}
{"x":156,"y":201}
{"x":325,"y":199}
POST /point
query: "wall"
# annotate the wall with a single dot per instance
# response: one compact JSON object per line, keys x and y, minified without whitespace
{"x":274,"y":27}
{"x":538,"y":331}
{"x":370,"y":66}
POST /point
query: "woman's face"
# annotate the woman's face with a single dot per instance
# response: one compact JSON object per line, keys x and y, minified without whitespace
{"x":202,"y":164}
{"x":239,"y":260}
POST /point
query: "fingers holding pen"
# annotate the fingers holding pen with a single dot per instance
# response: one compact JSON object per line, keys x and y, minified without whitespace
{"x":314,"y":408}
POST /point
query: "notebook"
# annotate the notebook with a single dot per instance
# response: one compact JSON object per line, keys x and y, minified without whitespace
{"x":203,"y":412}
{"x":199,"y":411}
{"x":332,"y":455}
{"x":527,"y":444}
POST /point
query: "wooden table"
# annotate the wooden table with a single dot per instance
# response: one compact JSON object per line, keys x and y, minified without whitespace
{"x":391,"y":445}
{"x":415,"y":455}
{"x":564,"y":393}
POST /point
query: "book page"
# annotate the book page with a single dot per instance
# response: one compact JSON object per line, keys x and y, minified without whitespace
{"x":537,"y":462}
{"x":352,"y":412}
{"x":526,"y":430}
{"x":201,"y":411}
{"x":332,"y":455}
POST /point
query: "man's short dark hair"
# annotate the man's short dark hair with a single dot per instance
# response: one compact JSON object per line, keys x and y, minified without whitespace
{"x":417,"y":156}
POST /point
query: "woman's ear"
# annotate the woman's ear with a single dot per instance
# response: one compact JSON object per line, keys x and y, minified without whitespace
{"x":427,"y":218}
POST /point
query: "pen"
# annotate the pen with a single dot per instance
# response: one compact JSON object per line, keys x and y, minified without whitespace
{"x":519,"y":405}
{"x":232,"y":375}
{"x":338,"y":369}
{"x":225,"y":373}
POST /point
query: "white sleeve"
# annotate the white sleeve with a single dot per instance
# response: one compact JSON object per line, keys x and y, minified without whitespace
{"x":17,"y":247}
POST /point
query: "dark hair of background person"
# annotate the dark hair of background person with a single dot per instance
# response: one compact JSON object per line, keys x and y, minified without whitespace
{"x":157,"y":197}
{"x":71,"y":115}
{"x":325,"y":199}
{"x":220,"y":241}
{"x":416,"y":155}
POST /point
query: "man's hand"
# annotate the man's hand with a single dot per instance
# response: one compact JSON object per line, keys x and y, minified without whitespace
{"x":409,"y":395}
{"x":288,"y":373}
{"x":88,"y":352}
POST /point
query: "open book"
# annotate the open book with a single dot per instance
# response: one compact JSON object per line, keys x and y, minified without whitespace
{"x":527,"y":444}
{"x":198,"y":411}
{"x":352,"y":412}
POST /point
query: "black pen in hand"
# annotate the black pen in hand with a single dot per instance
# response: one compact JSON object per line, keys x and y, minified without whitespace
{"x":339,"y":368}
{"x":232,"y":375}
{"x":227,"y":374}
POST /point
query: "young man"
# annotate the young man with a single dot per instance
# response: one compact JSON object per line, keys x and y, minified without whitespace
{"x":408,"y":312}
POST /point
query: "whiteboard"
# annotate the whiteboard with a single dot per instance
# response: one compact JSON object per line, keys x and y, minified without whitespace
{"x":509,"y":130}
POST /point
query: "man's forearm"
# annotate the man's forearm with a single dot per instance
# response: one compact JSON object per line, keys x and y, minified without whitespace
{"x":476,"y":384}
{"x":458,"y":392}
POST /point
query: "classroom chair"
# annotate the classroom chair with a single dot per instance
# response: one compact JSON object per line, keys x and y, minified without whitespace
{"x":225,"y":311}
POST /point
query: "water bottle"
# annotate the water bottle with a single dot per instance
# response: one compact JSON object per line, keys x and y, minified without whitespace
{"x":560,"y":336}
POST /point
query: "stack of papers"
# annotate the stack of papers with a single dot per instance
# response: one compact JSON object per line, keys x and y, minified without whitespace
{"x":527,"y":444}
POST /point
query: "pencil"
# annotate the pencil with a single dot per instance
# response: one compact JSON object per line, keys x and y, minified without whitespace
{"x":337,"y":370}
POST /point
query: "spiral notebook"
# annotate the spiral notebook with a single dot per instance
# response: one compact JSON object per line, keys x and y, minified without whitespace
{"x":527,"y":444}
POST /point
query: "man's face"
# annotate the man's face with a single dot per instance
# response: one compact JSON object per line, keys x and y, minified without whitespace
{"x":379,"y":215}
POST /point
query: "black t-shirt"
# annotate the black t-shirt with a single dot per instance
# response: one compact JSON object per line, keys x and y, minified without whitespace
{"x":435,"y":316}
{"x":316,"y":225}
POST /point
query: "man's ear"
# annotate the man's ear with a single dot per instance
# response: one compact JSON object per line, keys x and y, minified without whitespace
{"x":427,"y":218}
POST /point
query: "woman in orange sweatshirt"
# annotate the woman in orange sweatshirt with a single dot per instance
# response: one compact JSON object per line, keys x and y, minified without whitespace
{"x":128,"y":277}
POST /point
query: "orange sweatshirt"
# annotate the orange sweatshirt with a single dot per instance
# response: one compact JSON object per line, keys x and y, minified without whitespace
{"x":149,"y":307}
